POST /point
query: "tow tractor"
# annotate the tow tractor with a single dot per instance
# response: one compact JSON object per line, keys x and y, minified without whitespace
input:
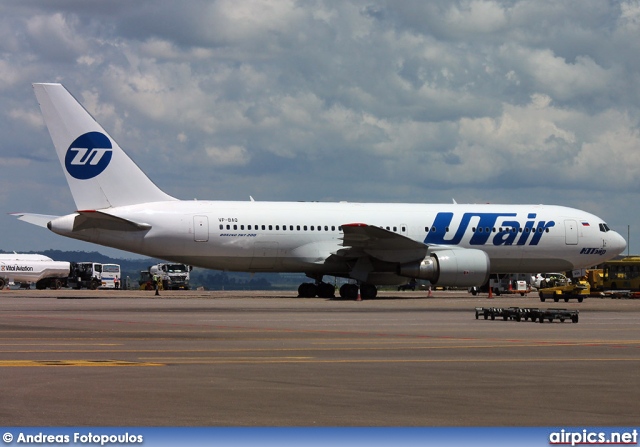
{"x":533,"y":314}
{"x":566,"y":292}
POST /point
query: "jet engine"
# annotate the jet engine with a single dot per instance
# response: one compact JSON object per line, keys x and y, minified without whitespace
{"x":455,"y":268}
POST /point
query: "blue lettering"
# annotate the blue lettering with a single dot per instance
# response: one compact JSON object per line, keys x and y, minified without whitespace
{"x":507,"y":234}
{"x":504,"y":233}
{"x":593,"y":251}
{"x":526,"y":230}
{"x":540,"y":228}
{"x":439,"y":230}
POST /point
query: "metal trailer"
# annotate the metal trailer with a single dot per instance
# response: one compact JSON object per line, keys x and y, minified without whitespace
{"x":618,"y":294}
{"x":509,"y":313}
{"x":532,"y":314}
{"x":558,"y":314}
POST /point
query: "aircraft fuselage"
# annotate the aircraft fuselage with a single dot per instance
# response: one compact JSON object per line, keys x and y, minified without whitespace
{"x":299,"y":236}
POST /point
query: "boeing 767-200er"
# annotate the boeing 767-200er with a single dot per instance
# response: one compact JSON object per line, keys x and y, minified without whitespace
{"x":370,"y":243}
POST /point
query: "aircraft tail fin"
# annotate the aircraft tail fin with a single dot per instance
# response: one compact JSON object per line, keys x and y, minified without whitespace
{"x":99,"y":173}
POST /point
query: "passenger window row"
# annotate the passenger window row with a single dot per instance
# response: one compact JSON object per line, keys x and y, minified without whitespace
{"x":280,"y":227}
{"x":494,"y":229}
{"x":294,"y":228}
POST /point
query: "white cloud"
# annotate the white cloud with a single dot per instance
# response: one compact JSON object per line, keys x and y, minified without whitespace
{"x":55,"y":36}
{"x":32,"y":118}
{"x":476,"y":16}
{"x":362,"y":100}
{"x":254,"y":20}
{"x":228,"y":156}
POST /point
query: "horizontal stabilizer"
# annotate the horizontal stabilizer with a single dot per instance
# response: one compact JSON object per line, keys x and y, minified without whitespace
{"x":40,"y":220}
{"x":90,"y":219}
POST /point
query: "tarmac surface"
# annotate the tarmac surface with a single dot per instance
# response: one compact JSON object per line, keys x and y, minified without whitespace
{"x":194,"y":358}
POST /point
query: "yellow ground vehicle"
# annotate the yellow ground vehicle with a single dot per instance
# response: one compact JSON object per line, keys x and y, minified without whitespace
{"x":595,"y":277}
{"x":622,"y":274}
{"x":567,"y":291}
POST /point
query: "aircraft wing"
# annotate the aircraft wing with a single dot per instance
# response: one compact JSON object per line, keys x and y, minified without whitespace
{"x":362,"y":239}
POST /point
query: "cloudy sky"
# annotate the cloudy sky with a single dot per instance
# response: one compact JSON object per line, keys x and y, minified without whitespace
{"x":532,"y":101}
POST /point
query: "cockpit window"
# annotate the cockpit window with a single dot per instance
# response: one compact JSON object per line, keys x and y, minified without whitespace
{"x":604,"y":227}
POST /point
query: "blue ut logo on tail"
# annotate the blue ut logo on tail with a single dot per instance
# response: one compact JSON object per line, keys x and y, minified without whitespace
{"x":88,"y":155}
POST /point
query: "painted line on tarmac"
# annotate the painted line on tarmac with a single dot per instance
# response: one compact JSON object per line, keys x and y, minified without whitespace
{"x":73,"y":363}
{"x":272,"y":360}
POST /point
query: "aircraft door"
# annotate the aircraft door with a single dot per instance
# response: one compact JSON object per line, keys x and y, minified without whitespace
{"x":200,"y":228}
{"x":571,"y":232}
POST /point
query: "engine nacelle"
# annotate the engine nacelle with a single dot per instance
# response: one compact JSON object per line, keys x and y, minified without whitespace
{"x":455,"y":268}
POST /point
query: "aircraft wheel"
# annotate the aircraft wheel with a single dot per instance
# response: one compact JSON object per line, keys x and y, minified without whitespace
{"x":349,"y":291}
{"x":307,"y":290}
{"x":2,"y":283}
{"x":368,"y":291}
{"x":326,"y":290}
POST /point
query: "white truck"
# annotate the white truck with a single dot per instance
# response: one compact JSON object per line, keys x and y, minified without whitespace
{"x":32,"y":268}
{"x":85,"y":274}
{"x":173,"y":276}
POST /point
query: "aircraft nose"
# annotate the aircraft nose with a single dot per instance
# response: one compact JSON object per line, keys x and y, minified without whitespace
{"x":616,"y":243}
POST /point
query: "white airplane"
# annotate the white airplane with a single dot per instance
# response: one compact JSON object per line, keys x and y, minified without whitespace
{"x":372,"y":244}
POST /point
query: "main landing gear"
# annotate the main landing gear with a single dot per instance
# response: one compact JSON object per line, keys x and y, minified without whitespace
{"x":350,"y":291}
{"x":320,"y":289}
{"x":347,"y":291}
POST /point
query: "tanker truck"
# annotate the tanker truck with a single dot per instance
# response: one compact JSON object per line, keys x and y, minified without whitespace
{"x":171,"y":276}
{"x":31,"y":268}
